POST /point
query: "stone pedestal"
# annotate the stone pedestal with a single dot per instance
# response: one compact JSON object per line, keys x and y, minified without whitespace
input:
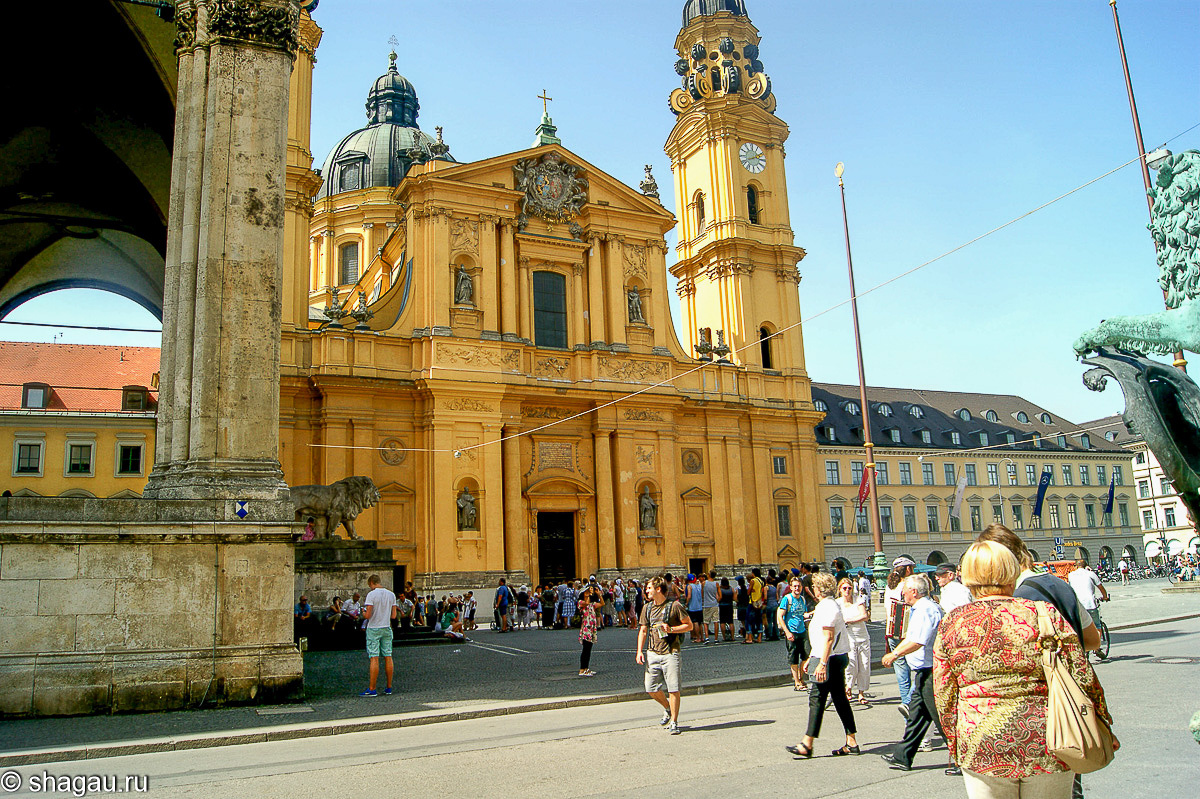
{"x":325,"y":569}
{"x":104,"y":617}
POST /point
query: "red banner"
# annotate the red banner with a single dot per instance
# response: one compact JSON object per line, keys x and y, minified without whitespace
{"x":864,"y":488}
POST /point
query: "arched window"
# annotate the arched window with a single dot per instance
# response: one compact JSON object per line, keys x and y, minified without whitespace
{"x":1022,"y":417}
{"x":752,"y":204}
{"x":549,"y":310}
{"x":991,"y":416}
{"x":764,"y":345}
{"x":916,"y":412}
{"x":699,"y":212}
{"x":348,"y":262}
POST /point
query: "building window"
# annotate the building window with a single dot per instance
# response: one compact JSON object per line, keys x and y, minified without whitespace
{"x":955,"y":438}
{"x":860,"y":521}
{"x":925,"y":437}
{"x":927,"y":474}
{"x":983,"y":439}
{"x":1085,"y":441}
{"x":971,"y":478}
{"x":1048,"y":469}
{"x":852,"y":408}
{"x":133,"y":399}
{"x":830,"y":433}
{"x":79,"y":459}
{"x":1123,"y":513}
{"x":1072,"y":516}
{"x":955,"y":524}
{"x":820,"y":406}
{"x":784,"y":514}
{"x":764,"y":347}
{"x":1061,"y":441}
{"x":1085,"y":476}
{"x":964,"y":414}
{"x":1037,"y":442}
{"x":991,"y":416}
{"x":997,"y":514}
{"x":885,"y":410}
{"x":1089,"y":514}
{"x":881,"y":474}
{"x":1118,"y":476}
{"x":1143,"y":488}
{"x":1066,"y":473}
{"x":28,"y":458}
{"x":549,"y":310}
{"x":1009,"y":438}
{"x":1168,"y":516}
{"x":894,"y":435}
{"x":1164,"y":485}
{"x":906,"y":474}
{"x":1054,"y":520}
{"x":836,"y":522}
{"x":1022,"y":417}
{"x":1031,"y":474}
{"x":948,"y":473}
{"x":350,"y":177}
{"x":1018,"y":519}
{"x":856,"y":472}
{"x":910,"y":518}
{"x":993,"y":474}
{"x":976,"y":518}
{"x":699,"y":212}
{"x":931,"y":517}
{"x":1101,"y":477}
{"x":832,"y":476}
{"x":348,"y":259}
{"x":129,"y":459}
{"x":1147,"y":520}
{"x":752,"y":204}
{"x":35,"y":395}
{"x":916,"y":412}
{"x":779,"y":464}
{"x":885,"y":519}
{"x":1139,"y":458}
{"x":1045,"y":418}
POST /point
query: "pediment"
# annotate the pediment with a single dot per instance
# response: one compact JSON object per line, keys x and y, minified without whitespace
{"x":908,"y":498}
{"x":394,"y":488}
{"x":788,"y":551}
{"x":559,"y":486}
{"x":934,"y":498}
{"x":835,"y":498}
{"x":784,"y":493}
{"x":126,"y":493}
{"x":696,"y":493}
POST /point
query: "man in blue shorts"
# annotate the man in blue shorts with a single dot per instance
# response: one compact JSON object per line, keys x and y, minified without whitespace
{"x":379,"y":610}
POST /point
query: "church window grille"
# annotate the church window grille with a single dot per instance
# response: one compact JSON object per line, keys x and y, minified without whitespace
{"x":349,"y":263}
{"x":752,"y":205}
{"x":550,"y":309}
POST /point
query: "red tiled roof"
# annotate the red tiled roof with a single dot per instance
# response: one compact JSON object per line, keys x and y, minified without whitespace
{"x":82,"y":377}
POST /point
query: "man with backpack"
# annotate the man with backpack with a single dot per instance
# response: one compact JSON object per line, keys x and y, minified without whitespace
{"x":662,"y":624}
{"x":504,"y":597}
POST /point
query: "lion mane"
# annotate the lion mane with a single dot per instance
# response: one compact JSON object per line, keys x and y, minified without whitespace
{"x":338,"y":504}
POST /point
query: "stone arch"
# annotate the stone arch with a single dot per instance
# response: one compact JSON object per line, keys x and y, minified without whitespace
{"x":844,"y":563}
{"x":698,"y":210}
{"x":768,"y":346}
{"x":936,"y":558}
{"x":1106,"y":556}
{"x":78,"y":493}
{"x":1034,"y":555}
{"x":754,"y":203}
{"x":341,"y":264}
{"x":656,"y":496}
{"x":1130,"y":553}
{"x":1082,"y":553}
{"x":463,"y":502}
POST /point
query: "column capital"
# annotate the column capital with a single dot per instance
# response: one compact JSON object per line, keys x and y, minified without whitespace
{"x":274,"y":26}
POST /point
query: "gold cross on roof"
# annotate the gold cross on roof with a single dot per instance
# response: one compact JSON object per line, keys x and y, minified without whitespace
{"x":544,"y":98}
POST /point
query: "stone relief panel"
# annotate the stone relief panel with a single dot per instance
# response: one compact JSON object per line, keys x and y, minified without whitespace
{"x":627,"y":369}
{"x":634,"y":258}
{"x":545,"y":412}
{"x":467,"y":457}
{"x":468,"y":404}
{"x":555,"y":455}
{"x":511,"y":359}
{"x":643,"y":458}
{"x":693,"y":461}
{"x":392,"y":451}
{"x":642,"y":415}
{"x":551,"y":366}
{"x":473,"y":356}
{"x":464,"y":236}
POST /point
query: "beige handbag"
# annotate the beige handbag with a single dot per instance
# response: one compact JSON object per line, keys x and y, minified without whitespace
{"x":1075,"y":733}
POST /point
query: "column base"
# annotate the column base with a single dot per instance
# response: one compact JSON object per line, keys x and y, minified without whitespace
{"x":257,"y":482}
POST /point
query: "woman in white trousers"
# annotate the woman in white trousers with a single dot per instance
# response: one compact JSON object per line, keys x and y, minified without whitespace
{"x":858,"y":672}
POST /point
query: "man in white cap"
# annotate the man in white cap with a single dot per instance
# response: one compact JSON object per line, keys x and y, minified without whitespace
{"x":894,"y":604}
{"x":954,"y":593}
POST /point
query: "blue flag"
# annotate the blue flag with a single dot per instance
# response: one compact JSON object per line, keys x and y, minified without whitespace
{"x":1043,"y":484}
{"x":1112,"y":485}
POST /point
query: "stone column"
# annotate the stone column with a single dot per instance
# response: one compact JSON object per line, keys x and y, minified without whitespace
{"x":218,"y":422}
{"x":579,"y":332}
{"x":606,"y":528}
{"x":734,"y":486}
{"x":525,"y":308}
{"x":596,"y":316}
{"x":515,"y":532}
{"x":509,"y":276}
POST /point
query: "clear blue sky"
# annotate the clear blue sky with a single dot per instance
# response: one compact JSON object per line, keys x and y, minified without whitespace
{"x":952,"y":118}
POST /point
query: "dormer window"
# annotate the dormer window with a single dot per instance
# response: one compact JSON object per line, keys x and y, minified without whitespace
{"x":964,"y":414}
{"x":916,"y":412}
{"x":983,"y":439}
{"x":821,"y":406}
{"x":1045,"y":418}
{"x":925,"y":437}
{"x":955,"y":438}
{"x":991,"y":416}
{"x":893,"y":434}
{"x":885,"y":409}
{"x":1022,"y":417}
{"x":853,"y":409}
{"x":1062,"y":441}
{"x":1085,"y":441}
{"x":134,"y":398}
{"x":1111,"y":435}
{"x":35,"y":396}
{"x":1009,"y":438}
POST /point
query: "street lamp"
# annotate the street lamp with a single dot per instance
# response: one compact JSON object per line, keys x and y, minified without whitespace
{"x":1155,"y":159}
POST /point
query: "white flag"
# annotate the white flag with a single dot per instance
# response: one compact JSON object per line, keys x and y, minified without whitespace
{"x":955,"y":512}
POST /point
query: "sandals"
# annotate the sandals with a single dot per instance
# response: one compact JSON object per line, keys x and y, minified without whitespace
{"x":846,"y":750}
{"x":862,"y":700}
{"x":800,"y":750}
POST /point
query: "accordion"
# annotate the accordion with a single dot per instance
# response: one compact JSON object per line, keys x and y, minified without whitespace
{"x":897,"y":620}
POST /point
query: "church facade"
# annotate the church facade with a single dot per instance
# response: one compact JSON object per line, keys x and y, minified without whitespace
{"x":491,"y":342}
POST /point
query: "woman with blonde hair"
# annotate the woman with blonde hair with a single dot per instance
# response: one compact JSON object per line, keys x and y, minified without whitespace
{"x":858,"y":670}
{"x":827,"y":673}
{"x":990,"y":688}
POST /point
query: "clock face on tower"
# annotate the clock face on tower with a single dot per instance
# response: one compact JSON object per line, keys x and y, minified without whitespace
{"x":752,"y":157}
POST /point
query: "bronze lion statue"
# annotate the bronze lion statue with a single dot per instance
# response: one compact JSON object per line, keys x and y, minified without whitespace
{"x":337,"y":504}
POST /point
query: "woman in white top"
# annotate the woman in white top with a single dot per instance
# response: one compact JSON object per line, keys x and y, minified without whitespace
{"x":858,"y":671}
{"x":830,"y":648}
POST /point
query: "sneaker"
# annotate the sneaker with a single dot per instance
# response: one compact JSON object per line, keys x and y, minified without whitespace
{"x":387,"y":691}
{"x":369,"y":692}
{"x":673,"y":728}
{"x":666,"y":719}
{"x":892,"y":762}
{"x":903,"y":711}
{"x":926,"y":746}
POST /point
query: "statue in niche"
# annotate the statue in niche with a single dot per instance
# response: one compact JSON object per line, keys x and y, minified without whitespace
{"x":634,"y":300}
{"x":466,"y":511}
{"x":464,"y":287}
{"x":647,"y":510}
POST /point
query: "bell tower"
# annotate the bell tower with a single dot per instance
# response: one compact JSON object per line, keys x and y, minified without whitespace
{"x":737,"y":260}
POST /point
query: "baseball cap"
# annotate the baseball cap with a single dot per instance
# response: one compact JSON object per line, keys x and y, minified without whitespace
{"x":903,"y":560}
{"x":947,"y":568}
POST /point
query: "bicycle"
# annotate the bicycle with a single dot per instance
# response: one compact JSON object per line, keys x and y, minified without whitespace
{"x":1101,"y":653}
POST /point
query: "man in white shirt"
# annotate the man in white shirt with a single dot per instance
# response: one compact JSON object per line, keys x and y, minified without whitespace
{"x":1123,"y":567}
{"x":917,"y":649}
{"x":954,"y":593}
{"x":1085,"y":582}
{"x":379,"y":610}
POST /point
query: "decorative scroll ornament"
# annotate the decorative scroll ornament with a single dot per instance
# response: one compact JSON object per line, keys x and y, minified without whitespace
{"x":649,"y":185}
{"x":554,"y":191}
{"x":185,"y":27}
{"x":243,"y":21}
{"x":706,"y":75}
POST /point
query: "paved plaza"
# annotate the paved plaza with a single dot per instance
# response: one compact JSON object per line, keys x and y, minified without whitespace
{"x":732,"y":742}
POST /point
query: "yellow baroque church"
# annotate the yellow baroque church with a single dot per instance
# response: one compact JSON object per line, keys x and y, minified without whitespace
{"x":491,"y":342}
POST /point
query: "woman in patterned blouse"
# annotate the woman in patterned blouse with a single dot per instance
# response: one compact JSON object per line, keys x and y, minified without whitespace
{"x":589,"y":607}
{"x":990,"y":688}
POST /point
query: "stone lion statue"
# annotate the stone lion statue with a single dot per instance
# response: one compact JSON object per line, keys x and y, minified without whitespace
{"x":337,"y":504}
{"x":1175,"y":226}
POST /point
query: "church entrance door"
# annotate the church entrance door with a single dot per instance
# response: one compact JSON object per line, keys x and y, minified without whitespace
{"x":556,"y":546}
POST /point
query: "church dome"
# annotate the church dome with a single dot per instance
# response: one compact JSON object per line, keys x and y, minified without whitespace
{"x":706,"y":8}
{"x":381,"y":153}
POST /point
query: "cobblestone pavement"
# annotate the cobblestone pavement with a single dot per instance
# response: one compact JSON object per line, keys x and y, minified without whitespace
{"x":516,"y":667}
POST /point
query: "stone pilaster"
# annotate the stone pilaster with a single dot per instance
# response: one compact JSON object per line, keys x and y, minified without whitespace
{"x":218,"y":424}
